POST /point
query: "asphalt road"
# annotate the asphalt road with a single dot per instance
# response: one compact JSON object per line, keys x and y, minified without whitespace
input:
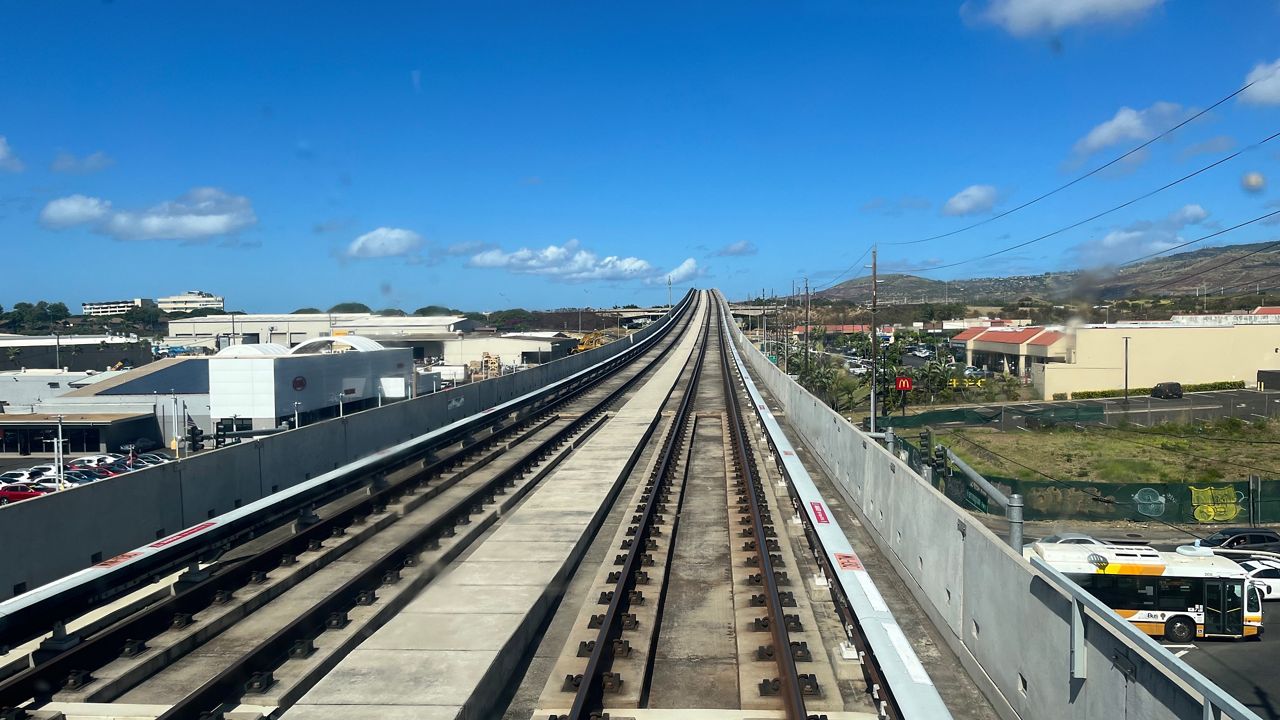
{"x":1244,"y":668}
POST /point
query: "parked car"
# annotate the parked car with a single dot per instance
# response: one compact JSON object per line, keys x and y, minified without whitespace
{"x":94,"y":460}
{"x":16,"y":476}
{"x":155,"y":458}
{"x":1167,"y":390}
{"x":80,"y":477}
{"x":1066,"y":538}
{"x":972,"y":372}
{"x":1243,"y":538}
{"x":44,"y":470}
{"x":1266,"y":574}
{"x":18,"y":491}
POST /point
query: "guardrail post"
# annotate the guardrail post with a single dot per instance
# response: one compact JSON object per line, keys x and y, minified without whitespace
{"x":890,"y":441}
{"x":1014,"y":513}
{"x":1079,"y":669}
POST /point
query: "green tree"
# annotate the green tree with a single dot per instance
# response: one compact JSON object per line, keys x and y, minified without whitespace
{"x":145,"y":318}
{"x":350,"y":307}
{"x":391,"y":312}
{"x":308,"y":311}
{"x":435,"y":310}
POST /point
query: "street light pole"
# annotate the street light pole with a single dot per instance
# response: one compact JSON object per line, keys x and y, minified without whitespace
{"x":296,"y":404}
{"x":1126,"y":372}
{"x":57,"y":456}
{"x":875,"y":340}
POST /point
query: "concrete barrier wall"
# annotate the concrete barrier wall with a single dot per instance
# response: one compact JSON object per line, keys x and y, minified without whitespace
{"x":1008,"y":625}
{"x":67,"y":531}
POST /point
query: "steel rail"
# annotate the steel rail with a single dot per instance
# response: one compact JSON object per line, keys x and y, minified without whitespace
{"x":588,"y":702}
{"x":790,"y":689}
{"x":30,"y":615}
{"x":895,"y":678}
{"x":43,"y":679}
{"x":256,"y":664}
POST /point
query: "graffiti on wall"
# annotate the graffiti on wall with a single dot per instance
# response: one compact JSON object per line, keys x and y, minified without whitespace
{"x":1216,"y":504}
{"x":1149,"y":502}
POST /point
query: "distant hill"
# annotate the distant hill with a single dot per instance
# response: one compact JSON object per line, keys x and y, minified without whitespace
{"x":1158,"y":276}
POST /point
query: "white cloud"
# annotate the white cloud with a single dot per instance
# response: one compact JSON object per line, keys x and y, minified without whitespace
{"x":200,"y":214}
{"x":385,"y":242}
{"x":65,"y":162}
{"x":683,"y":272}
{"x":1266,"y":85}
{"x":1131,"y":125}
{"x":73,"y":210}
{"x":972,"y":200}
{"x":737,"y":249}
{"x":1029,"y":17}
{"x":1212,"y":146}
{"x":571,"y":262}
{"x":1140,"y":238}
{"x":9,"y":161}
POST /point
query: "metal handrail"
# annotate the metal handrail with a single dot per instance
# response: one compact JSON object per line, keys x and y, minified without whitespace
{"x":1214,"y":696}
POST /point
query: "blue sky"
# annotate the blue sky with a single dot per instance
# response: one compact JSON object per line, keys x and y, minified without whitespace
{"x":489,"y":155}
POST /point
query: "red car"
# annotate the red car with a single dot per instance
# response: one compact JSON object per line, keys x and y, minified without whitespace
{"x":14,"y":493}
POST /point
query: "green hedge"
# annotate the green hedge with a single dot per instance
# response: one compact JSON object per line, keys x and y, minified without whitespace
{"x":1198,"y":387}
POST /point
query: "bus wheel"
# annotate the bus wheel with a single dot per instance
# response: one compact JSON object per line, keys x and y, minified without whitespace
{"x":1179,"y":629}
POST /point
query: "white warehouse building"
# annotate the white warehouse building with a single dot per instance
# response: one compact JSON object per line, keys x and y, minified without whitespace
{"x":190,"y":300}
{"x":255,"y":387}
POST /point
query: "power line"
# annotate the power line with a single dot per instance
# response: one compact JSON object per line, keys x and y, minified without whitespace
{"x":845,"y":271}
{"x":1190,"y":437}
{"x":1198,"y":457}
{"x":1198,"y":273}
{"x":1121,"y":206}
{"x":1256,"y":283}
{"x":1096,"y":494}
{"x":1091,"y":173}
{"x":1179,"y":246}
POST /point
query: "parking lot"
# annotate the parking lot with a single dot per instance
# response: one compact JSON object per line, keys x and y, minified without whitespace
{"x":1244,"y":668}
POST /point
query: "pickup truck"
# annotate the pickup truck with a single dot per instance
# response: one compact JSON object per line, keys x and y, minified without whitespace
{"x":1243,"y":538}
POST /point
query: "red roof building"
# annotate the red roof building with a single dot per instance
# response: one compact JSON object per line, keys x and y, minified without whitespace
{"x":969,"y":334}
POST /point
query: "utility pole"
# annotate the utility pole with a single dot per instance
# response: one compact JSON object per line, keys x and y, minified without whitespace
{"x":808,"y":305}
{"x":58,"y":457}
{"x":875,"y":341}
{"x":669,"y":304}
{"x":1126,"y":374}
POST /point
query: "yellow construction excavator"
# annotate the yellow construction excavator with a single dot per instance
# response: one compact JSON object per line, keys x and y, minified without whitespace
{"x":591,"y":341}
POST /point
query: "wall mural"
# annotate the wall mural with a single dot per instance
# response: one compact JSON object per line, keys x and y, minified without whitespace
{"x":1216,"y":504}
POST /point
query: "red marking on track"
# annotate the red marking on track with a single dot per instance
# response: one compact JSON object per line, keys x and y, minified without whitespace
{"x":848,"y":561}
{"x":193,"y":530}
{"x":112,"y":562}
{"x":819,"y":512}
{"x":787,"y":452}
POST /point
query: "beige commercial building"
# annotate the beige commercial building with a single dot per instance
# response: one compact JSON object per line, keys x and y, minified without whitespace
{"x":1159,"y":352}
{"x":1011,"y":350}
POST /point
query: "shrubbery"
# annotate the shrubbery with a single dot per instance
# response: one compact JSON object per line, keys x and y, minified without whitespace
{"x":1198,"y":387}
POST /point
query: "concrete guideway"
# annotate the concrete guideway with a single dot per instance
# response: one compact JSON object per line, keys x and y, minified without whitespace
{"x":877,"y":638}
{"x":451,"y":651}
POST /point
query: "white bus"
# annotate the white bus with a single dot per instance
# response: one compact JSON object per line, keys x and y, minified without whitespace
{"x":1178,"y":595}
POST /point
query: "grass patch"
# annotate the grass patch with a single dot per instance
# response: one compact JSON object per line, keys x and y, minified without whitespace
{"x":1201,"y":453}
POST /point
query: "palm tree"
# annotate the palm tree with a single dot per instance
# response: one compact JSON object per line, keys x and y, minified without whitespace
{"x":934,"y":376}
